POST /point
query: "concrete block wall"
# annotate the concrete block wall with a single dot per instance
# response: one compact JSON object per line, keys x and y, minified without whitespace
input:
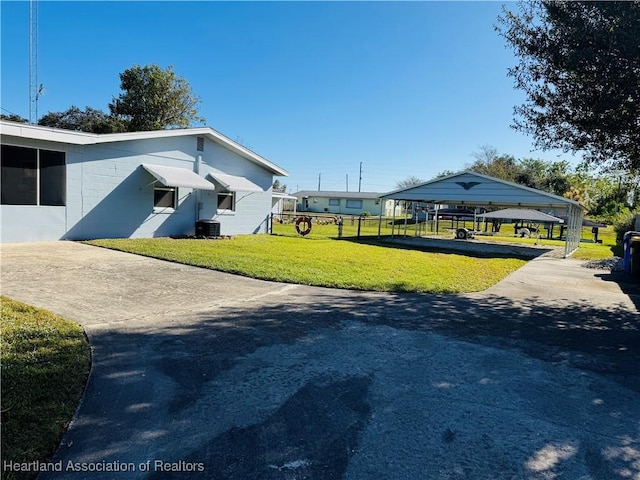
{"x":109,"y":195}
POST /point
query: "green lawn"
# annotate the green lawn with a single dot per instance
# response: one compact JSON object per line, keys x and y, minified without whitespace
{"x":587,"y":249}
{"x":45,"y":361}
{"x":319,"y":260}
{"x":369,"y":228}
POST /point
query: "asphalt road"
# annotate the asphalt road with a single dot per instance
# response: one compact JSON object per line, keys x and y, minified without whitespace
{"x":199,"y":374}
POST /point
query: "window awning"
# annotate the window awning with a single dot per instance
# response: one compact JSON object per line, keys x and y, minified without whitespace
{"x":178,"y":177}
{"x":234,"y":183}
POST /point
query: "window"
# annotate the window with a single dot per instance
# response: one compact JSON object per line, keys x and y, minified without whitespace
{"x":354,"y":203}
{"x":334,"y":202}
{"x":165,"y":197}
{"x":226,"y":201}
{"x":33,"y":177}
{"x":52,"y":178}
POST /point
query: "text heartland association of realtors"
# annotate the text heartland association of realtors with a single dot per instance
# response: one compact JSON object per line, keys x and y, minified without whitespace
{"x":149,"y":466}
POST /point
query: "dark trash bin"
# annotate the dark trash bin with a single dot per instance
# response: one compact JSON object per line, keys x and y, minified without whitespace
{"x":208,"y":228}
{"x":634,"y":253}
{"x":631,"y":245}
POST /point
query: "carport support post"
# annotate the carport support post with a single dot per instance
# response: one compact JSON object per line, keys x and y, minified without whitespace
{"x":393,"y":218}
{"x":405,"y":219}
{"x":380,"y":220}
{"x":436,"y":218}
{"x":574,"y":230}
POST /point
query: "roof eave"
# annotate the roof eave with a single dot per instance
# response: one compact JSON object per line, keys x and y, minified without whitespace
{"x":38,"y":132}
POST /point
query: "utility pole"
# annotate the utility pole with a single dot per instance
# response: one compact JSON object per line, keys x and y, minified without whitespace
{"x":360,"y":180}
{"x":319,"y":178}
{"x":347,"y":182}
{"x":34,"y":89}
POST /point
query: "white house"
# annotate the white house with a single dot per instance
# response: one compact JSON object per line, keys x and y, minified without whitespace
{"x":60,"y":184}
{"x":343,"y":203}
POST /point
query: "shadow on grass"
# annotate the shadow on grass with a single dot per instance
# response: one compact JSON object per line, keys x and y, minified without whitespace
{"x":443,"y":246}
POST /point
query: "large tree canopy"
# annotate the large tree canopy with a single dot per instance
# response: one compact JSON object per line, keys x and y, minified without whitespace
{"x":87,"y":120}
{"x":579,"y":65}
{"x":155,"y":99}
{"x":550,"y":177}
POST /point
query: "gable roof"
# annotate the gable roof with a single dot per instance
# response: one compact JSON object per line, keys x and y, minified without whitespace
{"x":471,"y":188}
{"x":337,"y":194}
{"x":38,"y":132}
{"x":522,"y":214}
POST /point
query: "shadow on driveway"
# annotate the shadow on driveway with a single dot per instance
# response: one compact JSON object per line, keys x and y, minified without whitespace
{"x":303,"y":389}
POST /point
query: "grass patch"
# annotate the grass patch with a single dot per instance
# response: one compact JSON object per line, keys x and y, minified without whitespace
{"x":322,"y":261}
{"x":586,"y":251}
{"x":45,"y":361}
{"x":369,"y":228}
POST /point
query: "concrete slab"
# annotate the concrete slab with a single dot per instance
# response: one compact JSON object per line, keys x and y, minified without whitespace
{"x":199,"y":374}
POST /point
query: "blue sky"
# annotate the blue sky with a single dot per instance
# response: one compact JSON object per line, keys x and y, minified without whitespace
{"x":406,"y":88}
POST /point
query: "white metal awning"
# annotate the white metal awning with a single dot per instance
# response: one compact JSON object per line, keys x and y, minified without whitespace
{"x":178,"y":177}
{"x":234,"y":183}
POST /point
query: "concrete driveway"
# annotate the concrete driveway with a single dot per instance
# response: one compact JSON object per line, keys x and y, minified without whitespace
{"x":199,"y":374}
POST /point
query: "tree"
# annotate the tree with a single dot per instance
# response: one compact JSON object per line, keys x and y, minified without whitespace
{"x":87,"y":120}
{"x":13,"y":118}
{"x":550,"y":177}
{"x":279,"y":187}
{"x":155,"y":99}
{"x":579,"y":64}
{"x":409,"y":182}
{"x":488,"y":162}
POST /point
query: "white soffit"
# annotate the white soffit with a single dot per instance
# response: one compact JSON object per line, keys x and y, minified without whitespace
{"x":234,"y":183}
{"x":178,"y":177}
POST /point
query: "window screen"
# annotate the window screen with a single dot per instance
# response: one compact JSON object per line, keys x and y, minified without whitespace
{"x":225,"y":201}
{"x":334,"y":202}
{"x":354,"y":203}
{"x":52,"y":178}
{"x":164,"y":198}
{"x":19,"y":175}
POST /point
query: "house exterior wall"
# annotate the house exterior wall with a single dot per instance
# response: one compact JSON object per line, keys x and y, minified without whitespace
{"x":109,"y":195}
{"x":253,"y":209}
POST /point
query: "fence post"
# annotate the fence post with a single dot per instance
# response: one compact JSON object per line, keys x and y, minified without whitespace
{"x":359,"y":222}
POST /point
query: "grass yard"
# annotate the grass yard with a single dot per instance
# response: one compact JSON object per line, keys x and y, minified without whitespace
{"x":45,"y":361}
{"x":587,"y":250}
{"x":322,"y":261}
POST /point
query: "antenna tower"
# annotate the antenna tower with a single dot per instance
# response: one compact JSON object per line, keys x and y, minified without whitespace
{"x":34,"y":89}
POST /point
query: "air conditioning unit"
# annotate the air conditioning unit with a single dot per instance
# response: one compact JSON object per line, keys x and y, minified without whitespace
{"x":207,"y":228}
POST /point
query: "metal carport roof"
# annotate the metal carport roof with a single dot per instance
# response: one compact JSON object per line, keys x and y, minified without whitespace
{"x":476,"y":189}
{"x":522,"y":214}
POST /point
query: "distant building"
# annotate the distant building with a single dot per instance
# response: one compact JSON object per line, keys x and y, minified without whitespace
{"x":344,"y":203}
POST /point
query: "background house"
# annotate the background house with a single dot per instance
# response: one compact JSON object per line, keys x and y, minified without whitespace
{"x":343,"y":203}
{"x":59,"y":184}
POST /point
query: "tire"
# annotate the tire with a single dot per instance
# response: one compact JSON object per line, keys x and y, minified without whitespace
{"x":462,"y":234}
{"x":524,"y":233}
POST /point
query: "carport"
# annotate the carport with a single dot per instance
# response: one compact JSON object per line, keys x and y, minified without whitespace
{"x":523,"y":215}
{"x":477,"y":190}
